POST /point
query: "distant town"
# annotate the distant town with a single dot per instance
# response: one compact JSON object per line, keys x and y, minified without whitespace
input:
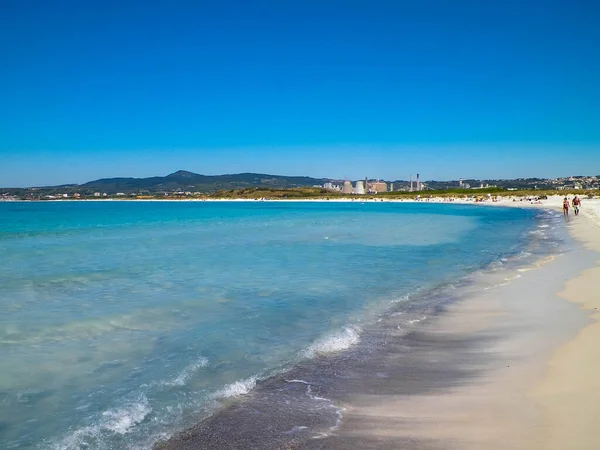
{"x":378,"y":186}
{"x":183,"y":184}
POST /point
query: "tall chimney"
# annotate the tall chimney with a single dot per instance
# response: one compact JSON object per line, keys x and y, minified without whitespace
{"x":418,"y":183}
{"x":411,"y":184}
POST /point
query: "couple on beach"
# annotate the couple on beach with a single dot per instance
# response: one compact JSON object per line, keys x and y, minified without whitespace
{"x":576,"y":204}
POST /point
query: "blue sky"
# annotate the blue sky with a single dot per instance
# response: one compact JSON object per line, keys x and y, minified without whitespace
{"x":346,"y":89}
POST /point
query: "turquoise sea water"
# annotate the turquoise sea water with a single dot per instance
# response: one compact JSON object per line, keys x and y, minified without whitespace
{"x":124,"y":322}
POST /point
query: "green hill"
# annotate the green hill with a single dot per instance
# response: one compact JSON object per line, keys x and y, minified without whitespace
{"x":189,"y":181}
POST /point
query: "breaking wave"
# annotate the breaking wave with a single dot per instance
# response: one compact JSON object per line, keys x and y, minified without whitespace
{"x":335,"y":342}
{"x":237,"y":389}
{"x":118,"y":421}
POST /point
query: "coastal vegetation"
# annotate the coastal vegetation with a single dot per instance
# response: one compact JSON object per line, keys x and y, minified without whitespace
{"x":309,"y":193}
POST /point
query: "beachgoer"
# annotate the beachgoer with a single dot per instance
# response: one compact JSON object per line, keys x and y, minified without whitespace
{"x":566,"y":208}
{"x":576,"y":204}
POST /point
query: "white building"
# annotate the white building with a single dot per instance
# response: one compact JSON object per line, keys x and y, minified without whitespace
{"x":377,"y":186}
{"x":332,"y":187}
{"x":359,"y":188}
{"x":347,"y":188}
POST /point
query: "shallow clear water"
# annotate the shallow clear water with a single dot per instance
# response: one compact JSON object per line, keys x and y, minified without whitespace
{"x":123,"y":322}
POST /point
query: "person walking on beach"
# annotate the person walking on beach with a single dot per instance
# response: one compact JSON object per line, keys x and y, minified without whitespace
{"x":576,"y":204}
{"x":566,"y":208}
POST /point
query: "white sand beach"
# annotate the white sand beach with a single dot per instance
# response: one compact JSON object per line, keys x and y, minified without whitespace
{"x":569,"y":392}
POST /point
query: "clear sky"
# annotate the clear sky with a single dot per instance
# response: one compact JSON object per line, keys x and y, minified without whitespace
{"x":447,"y":88}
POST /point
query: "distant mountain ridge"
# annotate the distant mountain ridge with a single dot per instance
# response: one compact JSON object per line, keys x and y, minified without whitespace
{"x":187,"y":181}
{"x":190,"y":181}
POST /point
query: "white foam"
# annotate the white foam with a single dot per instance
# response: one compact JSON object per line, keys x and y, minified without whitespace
{"x":335,"y":342}
{"x":401,"y":299}
{"x":114,"y":421}
{"x":496,"y":265}
{"x":237,"y":389}
{"x":187,"y":373}
{"x":538,"y":232}
{"x":340,"y":417}
{"x":76,"y":439}
{"x":338,"y":409}
{"x":315,"y":397}
{"x":297,"y":381}
{"x":413,"y":321}
{"x":121,"y":420}
{"x":522,"y":255}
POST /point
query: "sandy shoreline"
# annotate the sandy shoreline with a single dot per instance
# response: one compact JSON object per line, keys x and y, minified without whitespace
{"x":539,"y":387}
{"x":570,"y":390}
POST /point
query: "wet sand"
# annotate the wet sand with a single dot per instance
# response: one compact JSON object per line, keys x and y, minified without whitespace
{"x":569,"y":393}
{"x":537,"y":386}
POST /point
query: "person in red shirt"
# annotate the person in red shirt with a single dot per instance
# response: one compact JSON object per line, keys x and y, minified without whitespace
{"x":576,"y":205}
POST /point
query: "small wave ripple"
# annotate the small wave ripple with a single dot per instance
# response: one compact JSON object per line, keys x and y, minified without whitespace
{"x":237,"y":388}
{"x":117,"y":421}
{"x":335,"y":342}
{"x":187,"y":373}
